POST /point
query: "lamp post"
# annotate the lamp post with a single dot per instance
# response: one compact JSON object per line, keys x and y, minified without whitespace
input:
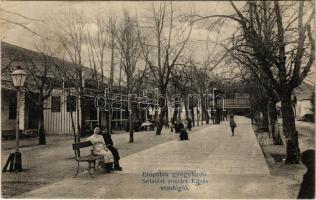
{"x":18,"y":76}
{"x":15,"y":159}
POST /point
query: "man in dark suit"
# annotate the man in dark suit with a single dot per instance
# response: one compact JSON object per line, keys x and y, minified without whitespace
{"x":109,"y":144}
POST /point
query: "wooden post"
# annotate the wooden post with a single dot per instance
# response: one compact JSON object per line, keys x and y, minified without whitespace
{"x":17,"y":121}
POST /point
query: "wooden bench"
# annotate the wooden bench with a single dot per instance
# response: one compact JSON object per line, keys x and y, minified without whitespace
{"x":8,"y":134}
{"x":90,"y":159}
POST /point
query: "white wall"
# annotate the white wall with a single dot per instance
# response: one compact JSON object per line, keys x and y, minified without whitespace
{"x":303,"y":107}
{"x":59,"y":122}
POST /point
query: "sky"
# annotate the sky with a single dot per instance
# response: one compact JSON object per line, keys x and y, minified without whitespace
{"x":39,"y":16}
{"x":47,"y":10}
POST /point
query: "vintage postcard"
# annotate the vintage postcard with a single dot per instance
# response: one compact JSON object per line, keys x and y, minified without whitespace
{"x":158,"y":99}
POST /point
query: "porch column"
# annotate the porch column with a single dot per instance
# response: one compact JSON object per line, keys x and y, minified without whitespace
{"x":98,"y":116}
{"x":121,"y":120}
{"x":146,"y":117}
{"x":21,"y":104}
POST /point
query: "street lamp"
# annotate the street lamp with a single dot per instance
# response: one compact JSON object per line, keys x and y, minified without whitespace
{"x":18,"y":76}
{"x":15,"y":159}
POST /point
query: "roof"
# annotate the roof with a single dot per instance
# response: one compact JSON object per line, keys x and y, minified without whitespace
{"x":12,"y":56}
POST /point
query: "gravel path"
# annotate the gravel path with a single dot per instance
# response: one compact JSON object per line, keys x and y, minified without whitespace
{"x":54,"y":162}
{"x":212,"y":164}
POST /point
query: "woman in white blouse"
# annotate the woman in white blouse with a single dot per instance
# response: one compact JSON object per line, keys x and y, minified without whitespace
{"x":99,"y":147}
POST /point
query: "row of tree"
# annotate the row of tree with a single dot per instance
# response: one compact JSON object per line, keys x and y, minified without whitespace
{"x":274,"y":46}
{"x":151,"y":52}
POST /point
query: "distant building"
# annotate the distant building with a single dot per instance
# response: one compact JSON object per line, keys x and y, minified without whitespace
{"x":303,"y":94}
{"x":301,"y":101}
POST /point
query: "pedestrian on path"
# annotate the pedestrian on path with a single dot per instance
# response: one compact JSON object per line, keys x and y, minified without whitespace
{"x":109,"y":144}
{"x":189,"y":126}
{"x":171,"y":127}
{"x":183,"y":132}
{"x":307,"y":190}
{"x":232,"y":124}
{"x":99,"y":148}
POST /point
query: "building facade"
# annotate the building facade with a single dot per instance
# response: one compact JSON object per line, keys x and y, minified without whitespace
{"x":62,"y":110}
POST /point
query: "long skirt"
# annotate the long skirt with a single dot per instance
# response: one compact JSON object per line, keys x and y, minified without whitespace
{"x":107,"y":156}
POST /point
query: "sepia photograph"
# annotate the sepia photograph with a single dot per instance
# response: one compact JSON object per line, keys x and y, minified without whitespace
{"x":157,"y":99}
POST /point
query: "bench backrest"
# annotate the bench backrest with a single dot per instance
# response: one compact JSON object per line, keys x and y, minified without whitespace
{"x":77,"y":146}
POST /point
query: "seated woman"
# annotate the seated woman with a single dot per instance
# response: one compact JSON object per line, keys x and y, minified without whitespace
{"x":99,"y":148}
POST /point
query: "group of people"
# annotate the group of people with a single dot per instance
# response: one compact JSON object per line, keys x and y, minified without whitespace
{"x":180,"y":128}
{"x":103,"y":145}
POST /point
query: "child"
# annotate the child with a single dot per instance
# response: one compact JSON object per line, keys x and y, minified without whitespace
{"x":232,"y":124}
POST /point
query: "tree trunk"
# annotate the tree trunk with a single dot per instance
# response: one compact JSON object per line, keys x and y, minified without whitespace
{"x":73,"y":126}
{"x":77,"y":116}
{"x":185,"y":107}
{"x":176,"y":112}
{"x":72,"y":120}
{"x":82,"y":113}
{"x":192,"y":116}
{"x":110,"y":119}
{"x":160,"y":121}
{"x":272,"y":111}
{"x":162,"y":112}
{"x":265,"y":120}
{"x":174,"y":117}
{"x":198,"y":115}
{"x":167,"y":118}
{"x":41,"y":131}
{"x":130,"y":120}
{"x":202,"y":108}
{"x":252,"y":115}
{"x":131,"y":129}
{"x":292,"y":145}
{"x":207,"y":118}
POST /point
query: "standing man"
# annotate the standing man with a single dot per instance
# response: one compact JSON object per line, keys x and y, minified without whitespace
{"x":109,"y":144}
{"x":232,"y":124}
{"x":189,"y":124}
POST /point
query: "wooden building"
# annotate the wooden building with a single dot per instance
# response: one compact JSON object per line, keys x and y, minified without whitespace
{"x":61,"y":109}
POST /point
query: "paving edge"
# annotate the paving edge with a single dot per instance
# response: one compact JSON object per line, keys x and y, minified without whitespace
{"x":266,"y":156}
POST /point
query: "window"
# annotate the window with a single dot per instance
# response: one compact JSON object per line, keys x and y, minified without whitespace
{"x":12,"y":109}
{"x":55,"y":103}
{"x":71,"y":103}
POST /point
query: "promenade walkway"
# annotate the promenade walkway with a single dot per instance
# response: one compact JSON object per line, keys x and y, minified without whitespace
{"x":229,"y":167}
